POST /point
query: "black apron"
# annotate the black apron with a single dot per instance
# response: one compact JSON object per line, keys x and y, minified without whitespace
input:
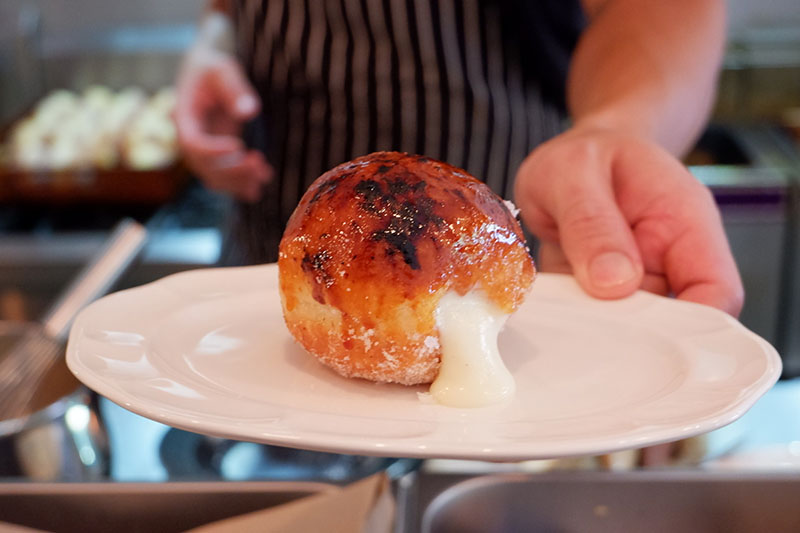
{"x":476,"y":83}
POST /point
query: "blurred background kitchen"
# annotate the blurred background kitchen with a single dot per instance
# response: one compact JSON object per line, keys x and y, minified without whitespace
{"x":86,"y":140}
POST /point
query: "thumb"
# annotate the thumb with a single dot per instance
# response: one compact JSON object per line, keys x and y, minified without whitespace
{"x":598,"y":242}
{"x":234,"y":90}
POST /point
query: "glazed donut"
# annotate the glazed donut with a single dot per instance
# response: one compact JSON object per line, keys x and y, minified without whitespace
{"x":374,"y":245}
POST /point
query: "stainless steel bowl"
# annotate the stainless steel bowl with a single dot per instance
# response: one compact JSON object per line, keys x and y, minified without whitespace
{"x":653,"y":501}
{"x":60,"y":437}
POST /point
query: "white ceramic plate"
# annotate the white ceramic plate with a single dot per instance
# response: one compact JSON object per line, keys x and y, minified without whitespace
{"x":208,"y":351}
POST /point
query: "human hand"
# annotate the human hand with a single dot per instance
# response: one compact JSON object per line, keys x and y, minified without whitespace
{"x":622,"y":214}
{"x":214,"y":100}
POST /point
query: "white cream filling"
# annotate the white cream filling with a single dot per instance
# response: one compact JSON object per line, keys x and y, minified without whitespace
{"x":472,"y":373}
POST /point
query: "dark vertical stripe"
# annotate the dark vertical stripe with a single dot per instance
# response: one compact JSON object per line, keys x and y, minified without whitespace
{"x":257,"y":65}
{"x":476,"y":141}
{"x":371,"y":80}
{"x":360,"y":79}
{"x":278,"y":113}
{"x":506,"y":176}
{"x":396,"y":103}
{"x":435,"y":107}
{"x":325,"y":150}
{"x":260,"y":52}
{"x":314,"y":61}
{"x":444,"y":85}
{"x":348,"y":88}
{"x":467,"y":86}
{"x":454,"y":95}
{"x":516,"y":96}
{"x":337,"y":82}
{"x":419,"y":70}
{"x":472,"y":98}
{"x":304,"y":95}
{"x":498,"y":153}
{"x":490,"y":107}
{"x":382,"y":67}
{"x":294,"y":97}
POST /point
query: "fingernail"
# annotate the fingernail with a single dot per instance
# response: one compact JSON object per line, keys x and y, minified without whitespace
{"x":611,"y":269}
{"x":245,"y":104}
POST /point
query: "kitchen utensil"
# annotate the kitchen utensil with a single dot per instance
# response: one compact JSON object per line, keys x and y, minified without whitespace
{"x":61,"y":437}
{"x":651,"y":500}
{"x":28,"y":361}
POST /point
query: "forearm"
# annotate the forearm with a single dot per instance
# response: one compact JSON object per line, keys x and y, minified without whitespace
{"x":649,"y":68}
{"x":215,"y":29}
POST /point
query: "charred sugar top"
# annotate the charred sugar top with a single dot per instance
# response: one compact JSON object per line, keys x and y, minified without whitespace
{"x":388,"y":225}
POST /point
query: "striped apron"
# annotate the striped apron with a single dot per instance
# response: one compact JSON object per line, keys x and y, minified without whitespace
{"x":476,"y":83}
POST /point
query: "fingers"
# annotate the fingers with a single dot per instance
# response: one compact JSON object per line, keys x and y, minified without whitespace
{"x":552,"y":259}
{"x":234,"y":90}
{"x":200,"y":117}
{"x":598,"y":242}
{"x":700,"y":267}
{"x":195,"y":140}
{"x":622,"y":214}
{"x":594,"y":236}
{"x":681,"y":235}
{"x":242,"y":175}
{"x":214,"y":99}
{"x":710,"y":277}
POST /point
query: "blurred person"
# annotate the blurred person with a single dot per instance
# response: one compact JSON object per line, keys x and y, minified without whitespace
{"x":578,"y":111}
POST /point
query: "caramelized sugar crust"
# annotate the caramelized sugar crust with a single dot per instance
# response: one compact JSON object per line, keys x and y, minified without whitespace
{"x":372,"y":247}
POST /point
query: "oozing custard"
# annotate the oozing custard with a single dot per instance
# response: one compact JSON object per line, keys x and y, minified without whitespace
{"x":376,"y":253}
{"x":472,"y":373}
